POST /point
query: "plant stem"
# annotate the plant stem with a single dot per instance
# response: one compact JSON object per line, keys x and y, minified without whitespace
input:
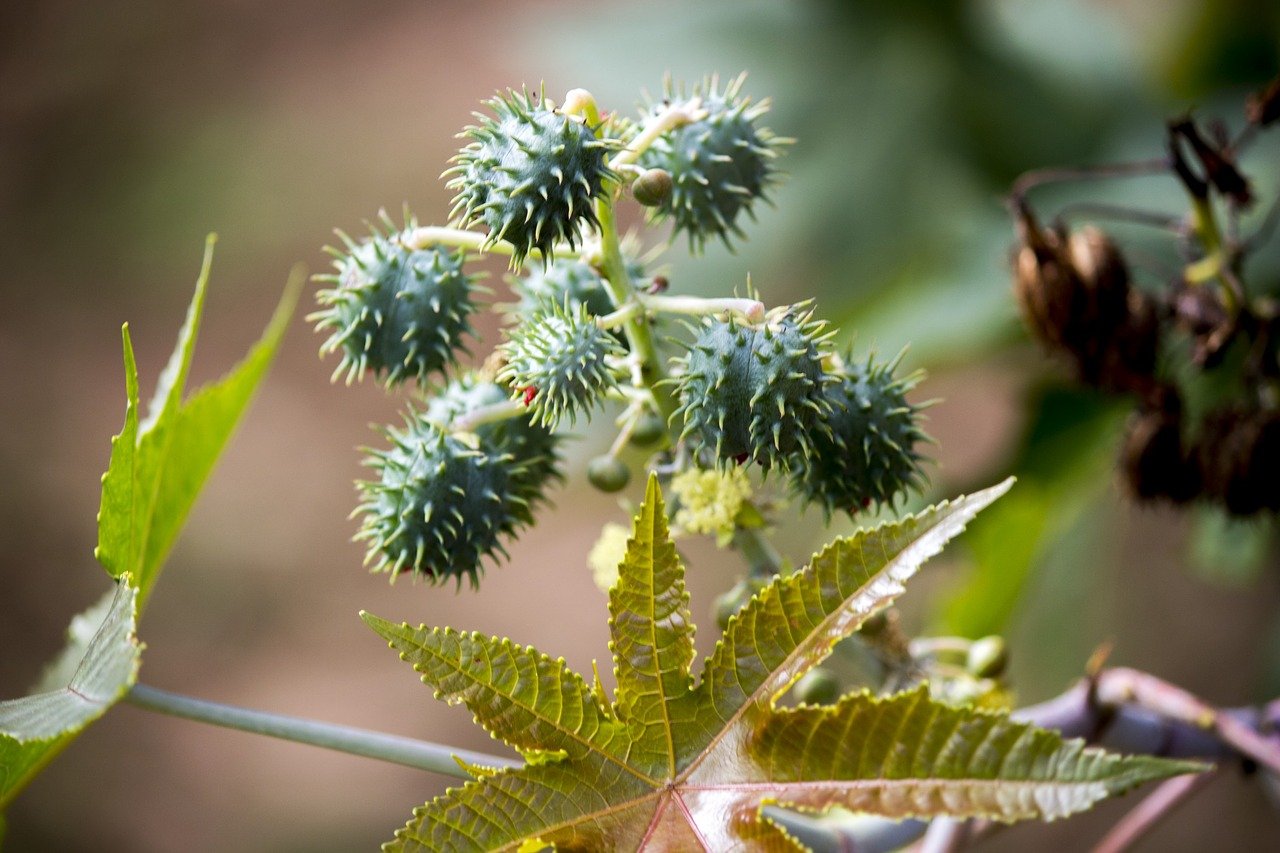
{"x":751,"y":310}
{"x":1147,"y":814}
{"x":670,"y":118}
{"x":422,"y":755}
{"x":763,"y":560}
{"x":1029,"y":180}
{"x":435,"y":235}
{"x":491,"y":413}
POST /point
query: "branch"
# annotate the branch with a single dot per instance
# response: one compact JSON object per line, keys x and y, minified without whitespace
{"x":423,"y":755}
{"x":1167,"y":796}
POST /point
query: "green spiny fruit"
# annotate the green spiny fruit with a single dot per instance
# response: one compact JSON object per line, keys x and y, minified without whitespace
{"x":439,"y":506}
{"x":396,"y":311}
{"x":563,"y":278}
{"x":755,"y":391}
{"x":557,"y":362}
{"x":532,"y":446}
{"x":529,"y":175}
{"x":720,"y":164}
{"x":869,"y":454}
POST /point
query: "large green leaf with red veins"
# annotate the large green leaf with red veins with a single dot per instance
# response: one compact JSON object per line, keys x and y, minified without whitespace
{"x":674,"y":763}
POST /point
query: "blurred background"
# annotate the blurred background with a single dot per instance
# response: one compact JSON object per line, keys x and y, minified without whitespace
{"x":129,"y":131}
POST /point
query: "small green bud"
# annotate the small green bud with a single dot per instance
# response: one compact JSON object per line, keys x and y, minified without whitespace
{"x":649,"y":429}
{"x":729,"y":603}
{"x":652,"y":188}
{"x":817,"y":687}
{"x":608,"y":473}
{"x":988,"y":657}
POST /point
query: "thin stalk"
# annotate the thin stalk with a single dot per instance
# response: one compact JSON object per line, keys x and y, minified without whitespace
{"x":492,"y":413}
{"x":669,"y":119}
{"x":751,"y":310}
{"x":761,"y":557}
{"x":1158,"y":805}
{"x":1214,"y":263}
{"x":422,"y":755}
{"x":1029,"y":180}
{"x":435,"y":235}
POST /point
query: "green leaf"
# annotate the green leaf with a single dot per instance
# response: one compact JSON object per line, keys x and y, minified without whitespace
{"x":158,"y":465}
{"x":671,"y":764}
{"x":35,"y":728}
{"x":652,"y":633}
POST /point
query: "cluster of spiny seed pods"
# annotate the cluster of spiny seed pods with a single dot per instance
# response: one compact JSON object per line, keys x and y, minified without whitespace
{"x":1199,"y":352}
{"x":478,"y":449}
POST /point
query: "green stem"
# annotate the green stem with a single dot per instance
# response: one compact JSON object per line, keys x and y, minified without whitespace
{"x":616,"y":277}
{"x":434,"y":235}
{"x":1213,"y":266}
{"x":422,"y":755}
{"x":751,"y":310}
{"x":763,"y":560}
{"x":670,"y":118}
{"x":489,"y":414}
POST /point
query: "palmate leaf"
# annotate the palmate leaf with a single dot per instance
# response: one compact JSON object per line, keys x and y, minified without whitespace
{"x":157,"y":468}
{"x":676,"y":764}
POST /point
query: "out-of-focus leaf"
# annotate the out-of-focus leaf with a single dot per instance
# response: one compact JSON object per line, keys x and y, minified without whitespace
{"x":1229,"y":551}
{"x":158,"y":465}
{"x":1066,"y":456}
{"x":35,"y":728}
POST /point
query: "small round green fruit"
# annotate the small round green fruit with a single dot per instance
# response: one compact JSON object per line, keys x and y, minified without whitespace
{"x":818,"y":686}
{"x":649,"y":429}
{"x":652,"y":188}
{"x":608,"y":473}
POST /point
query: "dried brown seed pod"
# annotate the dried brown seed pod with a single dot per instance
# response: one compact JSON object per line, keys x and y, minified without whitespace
{"x":1154,"y":461}
{"x":1239,"y":457}
{"x":1075,"y":295}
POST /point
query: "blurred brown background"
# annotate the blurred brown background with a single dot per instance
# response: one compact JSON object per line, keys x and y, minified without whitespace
{"x":129,"y":131}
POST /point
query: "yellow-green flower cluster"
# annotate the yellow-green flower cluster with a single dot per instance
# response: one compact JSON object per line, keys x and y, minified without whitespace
{"x":710,"y":499}
{"x":610,"y":550}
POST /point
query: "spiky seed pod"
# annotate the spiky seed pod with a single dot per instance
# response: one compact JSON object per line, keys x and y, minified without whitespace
{"x":869,"y":454}
{"x":529,"y":175}
{"x":755,"y":391}
{"x":562,"y":279}
{"x":720,"y":164}
{"x":530,"y":445}
{"x":557,"y":363}
{"x":608,"y":473}
{"x":439,"y":506}
{"x":395,"y":311}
